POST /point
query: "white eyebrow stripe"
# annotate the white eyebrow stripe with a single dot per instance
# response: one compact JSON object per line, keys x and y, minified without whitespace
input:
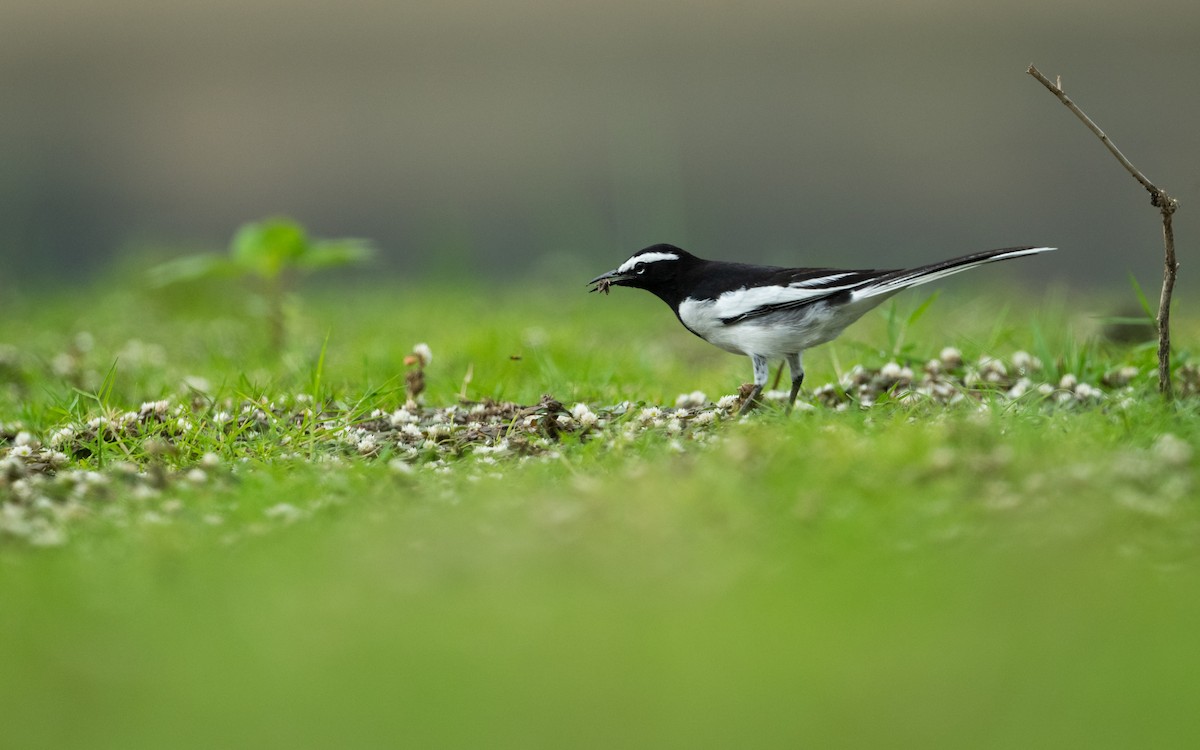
{"x":646,"y":258}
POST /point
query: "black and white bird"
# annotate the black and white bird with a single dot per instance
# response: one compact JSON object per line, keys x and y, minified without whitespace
{"x":770,"y":313}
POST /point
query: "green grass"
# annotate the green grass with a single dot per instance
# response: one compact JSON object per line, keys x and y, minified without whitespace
{"x":990,"y":574}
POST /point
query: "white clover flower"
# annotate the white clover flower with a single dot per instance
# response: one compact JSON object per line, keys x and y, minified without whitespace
{"x":649,"y":415}
{"x":693,"y":400}
{"x":1020,"y":388}
{"x":890,"y":371}
{"x":1128,"y":373}
{"x":424,"y":354}
{"x":24,"y":438}
{"x":285,"y":512}
{"x":43,"y":534}
{"x":1173,"y":450}
{"x":951,"y":357}
{"x":412,"y":431}
{"x":62,"y":435}
{"x":367,"y":445}
{"x":12,"y":515}
{"x":154,"y":407}
{"x":499,"y":448}
{"x":992,"y":370}
{"x":210,"y":460}
{"x":400,"y":466}
{"x":848,"y":379}
{"x":583,"y":414}
{"x":1121,"y":376}
{"x":22,"y":489}
{"x":727,"y":403}
{"x":705,"y":417}
{"x":197,"y":476}
{"x":403,"y":417}
{"x":143,"y":492}
{"x":63,"y":364}
{"x":1025,"y":362}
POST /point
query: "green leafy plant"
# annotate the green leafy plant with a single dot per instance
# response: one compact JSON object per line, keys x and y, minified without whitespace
{"x":269,"y":252}
{"x":898,"y":325}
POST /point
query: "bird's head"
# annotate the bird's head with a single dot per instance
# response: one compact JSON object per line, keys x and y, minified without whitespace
{"x":654,"y":269}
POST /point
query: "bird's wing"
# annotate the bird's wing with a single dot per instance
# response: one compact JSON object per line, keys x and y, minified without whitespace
{"x":791,"y":289}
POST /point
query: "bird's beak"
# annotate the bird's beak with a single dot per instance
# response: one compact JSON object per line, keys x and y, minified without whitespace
{"x":602,"y":282}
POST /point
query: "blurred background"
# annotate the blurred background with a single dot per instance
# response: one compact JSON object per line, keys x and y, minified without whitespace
{"x":543,"y":137}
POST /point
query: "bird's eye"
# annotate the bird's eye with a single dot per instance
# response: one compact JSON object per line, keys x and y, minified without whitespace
{"x":639,"y":268}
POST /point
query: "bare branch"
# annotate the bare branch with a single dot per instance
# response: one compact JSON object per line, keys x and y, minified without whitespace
{"x":1170,"y":271}
{"x":1166,"y":206}
{"x":1056,"y":89}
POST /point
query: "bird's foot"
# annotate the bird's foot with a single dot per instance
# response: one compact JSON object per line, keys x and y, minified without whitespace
{"x":791,"y":402}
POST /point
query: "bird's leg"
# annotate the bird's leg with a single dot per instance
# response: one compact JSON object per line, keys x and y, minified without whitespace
{"x":762,"y":369}
{"x":797,"y":369}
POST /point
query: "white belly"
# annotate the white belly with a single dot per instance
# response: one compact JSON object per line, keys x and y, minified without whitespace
{"x":786,"y":332}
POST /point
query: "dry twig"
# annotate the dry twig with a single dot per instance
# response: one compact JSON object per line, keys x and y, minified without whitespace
{"x":1166,"y":206}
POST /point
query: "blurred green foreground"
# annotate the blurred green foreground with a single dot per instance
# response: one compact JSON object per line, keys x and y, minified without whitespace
{"x":985,"y":575}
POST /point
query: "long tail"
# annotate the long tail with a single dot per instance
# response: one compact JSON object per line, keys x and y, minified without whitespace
{"x":897,"y":280}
